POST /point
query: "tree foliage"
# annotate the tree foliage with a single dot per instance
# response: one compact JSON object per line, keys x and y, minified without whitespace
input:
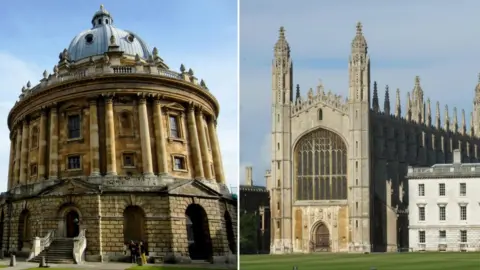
{"x":248,"y":233}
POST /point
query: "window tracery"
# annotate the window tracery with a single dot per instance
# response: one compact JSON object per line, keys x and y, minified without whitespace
{"x":321,"y":167}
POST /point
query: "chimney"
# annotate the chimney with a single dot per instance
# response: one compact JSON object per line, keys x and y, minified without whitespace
{"x":248,"y":176}
{"x":457,"y":156}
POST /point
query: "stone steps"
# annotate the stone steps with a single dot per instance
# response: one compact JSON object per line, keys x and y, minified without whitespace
{"x":59,"y":252}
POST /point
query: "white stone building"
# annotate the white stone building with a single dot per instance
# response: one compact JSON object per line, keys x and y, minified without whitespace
{"x":444,"y":207}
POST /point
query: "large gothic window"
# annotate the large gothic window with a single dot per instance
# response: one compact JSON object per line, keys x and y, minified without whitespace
{"x":321,"y":167}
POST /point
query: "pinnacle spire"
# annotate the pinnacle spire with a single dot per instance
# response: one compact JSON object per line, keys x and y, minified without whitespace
{"x":297,"y":94}
{"x":282,"y":46}
{"x":455,"y":120}
{"x":375,"y":106}
{"x":429,"y":113}
{"x":386,"y":102}
{"x":398,"y":108}
{"x":359,"y":28}
{"x":447,"y":119}
{"x":437,"y":116}
{"x":409,"y":107}
{"x":471,"y":124}
{"x":464,"y":123}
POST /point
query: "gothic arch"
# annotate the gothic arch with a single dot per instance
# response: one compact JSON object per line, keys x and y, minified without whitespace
{"x":320,"y":235}
{"x":320,"y":166}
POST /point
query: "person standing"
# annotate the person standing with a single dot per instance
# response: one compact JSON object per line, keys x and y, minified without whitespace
{"x":133,"y":256}
{"x":142,"y":250}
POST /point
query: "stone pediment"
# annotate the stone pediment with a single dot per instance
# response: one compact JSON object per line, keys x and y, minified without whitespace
{"x":193,"y":188}
{"x":70,"y":187}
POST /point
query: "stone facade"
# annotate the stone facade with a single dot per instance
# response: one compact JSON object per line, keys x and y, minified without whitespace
{"x":338,"y":174}
{"x":111,"y":137}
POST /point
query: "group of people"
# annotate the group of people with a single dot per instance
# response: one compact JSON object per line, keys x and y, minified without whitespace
{"x":137,"y":251}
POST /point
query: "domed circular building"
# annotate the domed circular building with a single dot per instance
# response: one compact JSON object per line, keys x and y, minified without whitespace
{"x":114,"y":147}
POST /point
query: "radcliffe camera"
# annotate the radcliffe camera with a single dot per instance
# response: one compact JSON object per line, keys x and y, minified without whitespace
{"x":359,"y":135}
{"x":117,"y":144}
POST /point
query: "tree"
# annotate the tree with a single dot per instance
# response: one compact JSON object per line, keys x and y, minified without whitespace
{"x":248,"y":233}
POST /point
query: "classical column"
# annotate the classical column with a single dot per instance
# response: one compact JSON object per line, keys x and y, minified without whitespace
{"x":194,"y":144}
{"x":145,"y":138}
{"x":10,"y":163}
{"x":18,"y":149}
{"x":160,"y":139}
{"x":216,"y":154}
{"x":43,"y":144}
{"x":53,"y":169}
{"x":24,"y":153}
{"x":94,"y":140}
{"x":203,"y":144}
{"x":110,"y":141}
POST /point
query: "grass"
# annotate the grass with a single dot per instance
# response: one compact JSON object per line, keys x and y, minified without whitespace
{"x":38,"y":268}
{"x":381,"y":261}
{"x":153,"y":267}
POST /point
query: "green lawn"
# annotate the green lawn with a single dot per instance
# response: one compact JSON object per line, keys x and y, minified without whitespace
{"x":152,"y":267}
{"x":381,"y":261}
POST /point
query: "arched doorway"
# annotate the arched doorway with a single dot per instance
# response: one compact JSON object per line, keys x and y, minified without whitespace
{"x":321,"y":238}
{"x":72,"y":224}
{"x":198,"y":233}
{"x":230,"y":233}
{"x":134,"y":224}
{"x":24,"y":230}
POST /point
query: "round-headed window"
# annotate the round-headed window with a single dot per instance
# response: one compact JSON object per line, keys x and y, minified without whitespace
{"x":130,"y":38}
{"x":89,"y":38}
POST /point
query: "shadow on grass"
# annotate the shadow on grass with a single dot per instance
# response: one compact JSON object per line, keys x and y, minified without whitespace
{"x":152,"y":267}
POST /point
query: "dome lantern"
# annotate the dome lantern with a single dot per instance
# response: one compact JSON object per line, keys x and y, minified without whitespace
{"x":101,"y":17}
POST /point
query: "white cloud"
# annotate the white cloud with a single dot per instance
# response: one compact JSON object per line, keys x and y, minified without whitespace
{"x":437,"y":41}
{"x":14,"y":73}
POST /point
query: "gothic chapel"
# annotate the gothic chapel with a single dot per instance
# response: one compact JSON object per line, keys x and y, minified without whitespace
{"x":337,"y":179}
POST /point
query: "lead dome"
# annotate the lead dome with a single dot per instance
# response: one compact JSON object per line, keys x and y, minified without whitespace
{"x":95,"y":41}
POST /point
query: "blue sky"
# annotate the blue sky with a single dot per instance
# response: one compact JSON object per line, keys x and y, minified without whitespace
{"x":200,"y":34}
{"x":437,"y":40}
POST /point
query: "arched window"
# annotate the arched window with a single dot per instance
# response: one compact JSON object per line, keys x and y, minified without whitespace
{"x":126,"y":123}
{"x":321,"y":166}
{"x":320,"y":114}
{"x":34,"y":143}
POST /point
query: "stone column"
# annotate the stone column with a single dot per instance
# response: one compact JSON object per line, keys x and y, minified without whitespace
{"x":217,"y":155}
{"x":24,"y":153}
{"x":10,"y":163}
{"x":110,"y":140}
{"x":43,"y":144}
{"x":53,"y":169}
{"x":160,"y":139}
{"x":203,"y":144}
{"x":145,"y":138}
{"x":18,"y":149}
{"x":194,"y":144}
{"x":94,"y":140}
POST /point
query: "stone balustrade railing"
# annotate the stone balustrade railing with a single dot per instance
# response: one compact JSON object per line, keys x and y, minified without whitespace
{"x":39,"y":244}
{"x":92,"y":71}
{"x":79,"y":246}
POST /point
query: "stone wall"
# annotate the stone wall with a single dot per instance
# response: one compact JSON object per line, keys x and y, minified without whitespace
{"x":103,"y":218}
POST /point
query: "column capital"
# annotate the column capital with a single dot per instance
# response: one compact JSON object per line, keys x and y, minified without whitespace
{"x":191,"y":106}
{"x":142,"y":101}
{"x":108,"y":97}
{"x":92,"y":100}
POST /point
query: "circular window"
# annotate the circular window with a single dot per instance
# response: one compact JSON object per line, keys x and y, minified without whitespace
{"x":89,"y":38}
{"x":130,"y":38}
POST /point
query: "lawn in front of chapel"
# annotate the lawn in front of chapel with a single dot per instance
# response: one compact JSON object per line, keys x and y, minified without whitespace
{"x":378,"y":261}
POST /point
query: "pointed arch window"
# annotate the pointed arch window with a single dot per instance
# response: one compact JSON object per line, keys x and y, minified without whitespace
{"x":321,"y":167}
{"x":320,"y":114}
